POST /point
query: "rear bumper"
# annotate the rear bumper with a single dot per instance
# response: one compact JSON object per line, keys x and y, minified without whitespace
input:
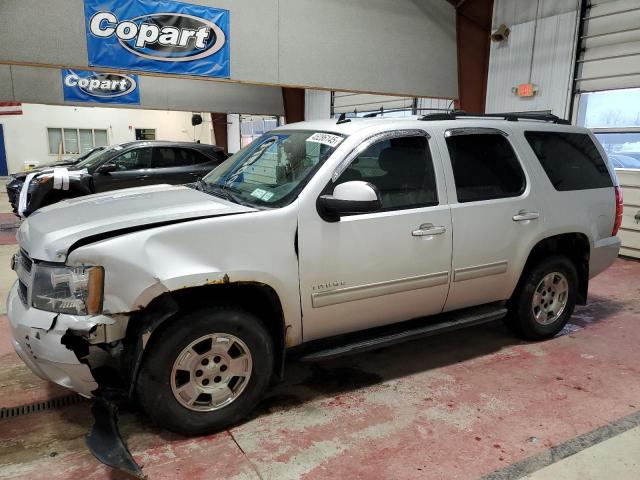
{"x":603,"y":254}
{"x":37,"y":339}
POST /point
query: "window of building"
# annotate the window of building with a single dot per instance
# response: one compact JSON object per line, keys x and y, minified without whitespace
{"x":145,"y":133}
{"x":401,"y":169}
{"x":64,"y":141}
{"x":253,"y":126}
{"x":622,"y":147}
{"x":485,"y":167}
{"x":571,"y":160}
{"x":614,"y":118}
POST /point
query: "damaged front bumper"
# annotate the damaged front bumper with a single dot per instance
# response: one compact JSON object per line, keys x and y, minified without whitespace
{"x":39,"y":339}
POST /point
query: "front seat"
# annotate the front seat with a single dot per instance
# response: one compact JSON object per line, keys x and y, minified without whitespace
{"x":403,"y":181}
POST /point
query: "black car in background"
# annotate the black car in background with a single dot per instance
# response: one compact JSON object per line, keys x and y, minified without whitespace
{"x":132,"y":164}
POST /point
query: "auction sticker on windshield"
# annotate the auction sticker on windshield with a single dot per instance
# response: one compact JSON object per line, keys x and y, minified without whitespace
{"x":325,"y":139}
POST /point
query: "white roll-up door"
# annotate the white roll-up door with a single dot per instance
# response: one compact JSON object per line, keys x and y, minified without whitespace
{"x":347,"y":102}
{"x":363,"y":103}
{"x":610,"y":42}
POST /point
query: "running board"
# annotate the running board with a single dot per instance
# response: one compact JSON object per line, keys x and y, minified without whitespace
{"x":391,"y":336}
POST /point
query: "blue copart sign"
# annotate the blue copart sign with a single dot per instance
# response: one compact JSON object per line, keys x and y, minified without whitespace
{"x":88,"y":86}
{"x":158,"y":36}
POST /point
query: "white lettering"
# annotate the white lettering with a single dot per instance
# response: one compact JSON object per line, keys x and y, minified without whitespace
{"x":148,"y":34}
{"x":126,"y":30}
{"x":97,"y":28}
{"x":201,"y":36}
{"x":71,"y":80}
{"x":105,"y":24}
{"x":83,"y":82}
{"x":170,"y":36}
{"x":185,"y":35}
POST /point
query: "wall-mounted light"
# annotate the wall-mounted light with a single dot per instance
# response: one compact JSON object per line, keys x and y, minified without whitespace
{"x":501,"y":34}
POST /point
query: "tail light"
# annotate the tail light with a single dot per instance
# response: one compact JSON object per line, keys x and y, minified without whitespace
{"x":618,"y":220}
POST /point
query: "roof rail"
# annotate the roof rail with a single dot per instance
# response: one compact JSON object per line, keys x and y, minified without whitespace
{"x":509,"y":116}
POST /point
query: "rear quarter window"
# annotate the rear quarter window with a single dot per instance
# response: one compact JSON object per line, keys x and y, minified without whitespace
{"x":571,"y":160}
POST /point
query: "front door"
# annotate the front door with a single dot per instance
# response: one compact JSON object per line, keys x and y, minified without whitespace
{"x":378,"y":268}
{"x":4,"y":171}
{"x":133,"y":167}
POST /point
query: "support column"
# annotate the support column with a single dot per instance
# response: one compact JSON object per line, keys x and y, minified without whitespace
{"x":219,"y":121}
{"x":473,"y":28}
{"x":293,"y":100}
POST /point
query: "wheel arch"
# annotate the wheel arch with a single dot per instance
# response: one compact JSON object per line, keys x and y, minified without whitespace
{"x":257,"y":298}
{"x":575,"y":246}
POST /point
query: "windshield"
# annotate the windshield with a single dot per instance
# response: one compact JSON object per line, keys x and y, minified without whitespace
{"x":97,"y":158}
{"x":273,"y":169}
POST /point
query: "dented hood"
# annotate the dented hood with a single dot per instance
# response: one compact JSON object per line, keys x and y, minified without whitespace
{"x":49,"y":232}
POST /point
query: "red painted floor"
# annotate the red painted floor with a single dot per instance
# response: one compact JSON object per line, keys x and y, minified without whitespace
{"x":457,"y":406}
{"x":7,"y":234}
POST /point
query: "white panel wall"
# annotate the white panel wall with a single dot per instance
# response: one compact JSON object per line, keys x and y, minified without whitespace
{"x":553,"y":56}
{"x":399,"y":47}
{"x":630,"y":230}
{"x":25,"y":136}
{"x":317,"y":104}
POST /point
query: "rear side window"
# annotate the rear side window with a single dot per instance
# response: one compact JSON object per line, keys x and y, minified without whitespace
{"x":485,"y":167}
{"x":571,"y":160}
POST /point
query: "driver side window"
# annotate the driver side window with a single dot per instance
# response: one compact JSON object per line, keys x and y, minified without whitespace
{"x":134,"y":159}
{"x":402,"y":170}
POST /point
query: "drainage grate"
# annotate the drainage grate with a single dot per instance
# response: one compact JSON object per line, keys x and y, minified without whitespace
{"x":52,"y":404}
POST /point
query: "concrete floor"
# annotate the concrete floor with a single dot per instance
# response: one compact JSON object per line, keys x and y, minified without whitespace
{"x":464,"y":405}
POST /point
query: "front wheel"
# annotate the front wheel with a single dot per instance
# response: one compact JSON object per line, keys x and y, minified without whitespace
{"x":544,"y":299}
{"x":205,"y":371}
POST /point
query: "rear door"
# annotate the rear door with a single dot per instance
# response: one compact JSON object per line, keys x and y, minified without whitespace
{"x":171,"y":165}
{"x":131,"y":171}
{"x":497,"y":216}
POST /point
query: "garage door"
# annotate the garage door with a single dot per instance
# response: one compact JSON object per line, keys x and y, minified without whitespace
{"x":358,"y":104}
{"x":630,"y":229}
{"x":610,"y":40}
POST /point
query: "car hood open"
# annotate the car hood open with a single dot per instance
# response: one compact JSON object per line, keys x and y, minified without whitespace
{"x":49,"y":232}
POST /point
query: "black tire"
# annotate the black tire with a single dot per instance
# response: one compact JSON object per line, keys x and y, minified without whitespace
{"x":153,"y":386}
{"x":521,"y":317}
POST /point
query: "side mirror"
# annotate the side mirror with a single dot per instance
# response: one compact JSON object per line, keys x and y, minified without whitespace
{"x":349,"y":197}
{"x":107,"y":168}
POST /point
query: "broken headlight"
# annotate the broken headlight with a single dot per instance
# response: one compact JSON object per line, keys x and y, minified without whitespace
{"x":72,"y":290}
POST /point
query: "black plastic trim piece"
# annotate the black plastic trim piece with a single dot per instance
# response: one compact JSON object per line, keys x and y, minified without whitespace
{"x":385,"y":336}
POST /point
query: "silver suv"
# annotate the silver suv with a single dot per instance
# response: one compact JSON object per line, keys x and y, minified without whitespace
{"x":317,"y":240}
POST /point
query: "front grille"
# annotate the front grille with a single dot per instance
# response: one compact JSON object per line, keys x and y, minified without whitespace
{"x":22,"y":292}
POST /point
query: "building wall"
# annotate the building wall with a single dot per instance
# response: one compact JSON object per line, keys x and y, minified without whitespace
{"x":404,"y":47}
{"x":26,"y":141}
{"x":552,"y":43}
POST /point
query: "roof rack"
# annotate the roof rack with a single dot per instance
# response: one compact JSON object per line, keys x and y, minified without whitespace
{"x":343,"y":119}
{"x":510,"y":116}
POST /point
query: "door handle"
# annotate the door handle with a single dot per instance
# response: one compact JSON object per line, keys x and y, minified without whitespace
{"x":523,"y":215}
{"x":427,"y":229}
{"x":142,"y":177}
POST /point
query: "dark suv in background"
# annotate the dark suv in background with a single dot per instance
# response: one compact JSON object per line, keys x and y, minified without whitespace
{"x":132,"y":164}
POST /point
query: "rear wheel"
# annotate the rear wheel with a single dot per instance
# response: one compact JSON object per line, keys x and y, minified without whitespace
{"x":205,"y":371}
{"x":544,"y":299}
